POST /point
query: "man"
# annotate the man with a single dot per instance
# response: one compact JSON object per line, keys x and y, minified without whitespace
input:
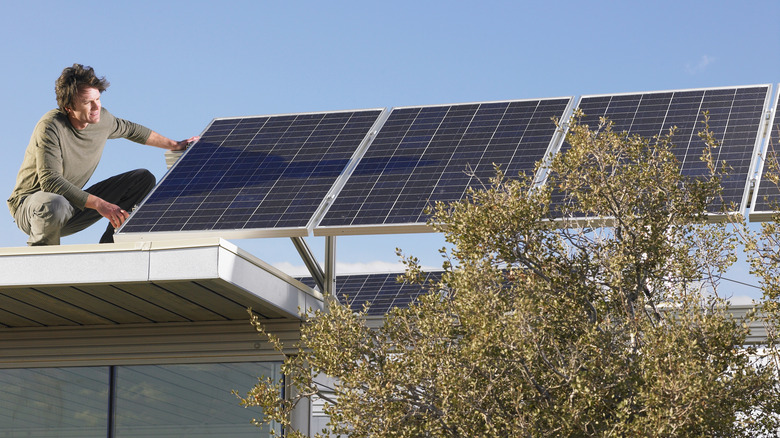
{"x":64,"y":150}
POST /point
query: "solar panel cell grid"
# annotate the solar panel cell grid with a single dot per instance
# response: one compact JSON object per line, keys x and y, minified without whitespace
{"x":382,"y":291}
{"x":734,"y":118}
{"x":255,"y":173}
{"x":273,"y":172}
{"x":427,"y":154}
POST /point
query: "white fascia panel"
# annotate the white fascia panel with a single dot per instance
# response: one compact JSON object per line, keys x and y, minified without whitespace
{"x":266,"y":282}
{"x":196,"y":263}
{"x":28,"y":267}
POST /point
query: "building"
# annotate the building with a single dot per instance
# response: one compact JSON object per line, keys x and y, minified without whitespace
{"x":147,"y":337}
{"x":144,"y":340}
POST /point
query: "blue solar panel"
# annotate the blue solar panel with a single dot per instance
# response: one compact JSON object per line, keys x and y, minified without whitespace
{"x":434,"y":153}
{"x":766,"y":198}
{"x":381,"y":291}
{"x":735,"y":119}
{"x":254,"y":173}
{"x":369,"y":171}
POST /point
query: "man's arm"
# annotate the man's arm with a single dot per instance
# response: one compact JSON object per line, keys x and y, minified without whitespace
{"x":113,"y":212}
{"x":160,"y":141}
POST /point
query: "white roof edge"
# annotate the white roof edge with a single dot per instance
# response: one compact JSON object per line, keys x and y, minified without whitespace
{"x":137,"y":262}
{"x":113,"y":247}
{"x":251,"y":258}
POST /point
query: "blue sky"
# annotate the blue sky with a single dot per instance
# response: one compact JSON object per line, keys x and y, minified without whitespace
{"x":176,"y":65}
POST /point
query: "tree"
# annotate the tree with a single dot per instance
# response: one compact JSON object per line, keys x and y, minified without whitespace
{"x":763,"y":249}
{"x":587,"y":307}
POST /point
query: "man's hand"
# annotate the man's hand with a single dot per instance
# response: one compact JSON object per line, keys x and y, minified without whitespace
{"x":182,"y":145}
{"x":110,"y":211}
{"x":160,"y":141}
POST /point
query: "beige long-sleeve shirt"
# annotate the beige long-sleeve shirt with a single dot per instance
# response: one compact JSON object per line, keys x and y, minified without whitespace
{"x":61,"y":159}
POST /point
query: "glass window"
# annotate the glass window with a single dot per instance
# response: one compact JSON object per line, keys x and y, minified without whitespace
{"x":54,"y":402}
{"x":150,"y":401}
{"x":187,"y":400}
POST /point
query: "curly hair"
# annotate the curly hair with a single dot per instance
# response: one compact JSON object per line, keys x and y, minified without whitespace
{"x":72,"y":78}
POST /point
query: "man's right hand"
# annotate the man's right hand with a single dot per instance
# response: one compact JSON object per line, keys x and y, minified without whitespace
{"x":110,"y":211}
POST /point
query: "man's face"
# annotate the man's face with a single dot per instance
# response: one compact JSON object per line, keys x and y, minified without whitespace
{"x":85,"y":108}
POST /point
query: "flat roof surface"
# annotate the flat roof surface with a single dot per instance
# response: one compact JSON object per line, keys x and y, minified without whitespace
{"x":144,"y":282}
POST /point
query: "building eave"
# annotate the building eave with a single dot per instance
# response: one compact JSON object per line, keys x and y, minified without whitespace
{"x":141,"y":283}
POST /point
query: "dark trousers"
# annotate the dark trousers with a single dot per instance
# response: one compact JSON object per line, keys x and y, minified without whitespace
{"x":47,"y":216}
{"x":125,"y":190}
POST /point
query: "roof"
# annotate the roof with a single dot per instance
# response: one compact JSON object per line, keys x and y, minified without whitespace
{"x":137,"y":283}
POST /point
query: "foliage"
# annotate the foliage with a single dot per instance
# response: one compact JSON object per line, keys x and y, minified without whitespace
{"x":763,"y":250}
{"x":544,"y":324}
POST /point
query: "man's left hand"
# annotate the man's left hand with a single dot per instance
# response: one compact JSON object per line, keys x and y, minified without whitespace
{"x":182,"y":145}
{"x":160,"y":141}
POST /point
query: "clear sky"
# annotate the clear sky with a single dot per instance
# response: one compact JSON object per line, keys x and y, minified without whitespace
{"x":176,"y":65}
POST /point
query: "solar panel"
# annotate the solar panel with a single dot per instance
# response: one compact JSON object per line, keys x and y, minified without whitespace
{"x":382,"y":291}
{"x":766,"y":196}
{"x":373,"y":171}
{"x":735,"y":119}
{"x":434,"y":153}
{"x":253,"y":176}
